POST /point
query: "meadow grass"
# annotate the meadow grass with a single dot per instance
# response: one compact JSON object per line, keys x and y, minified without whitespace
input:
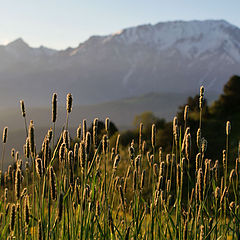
{"x":92,"y":188}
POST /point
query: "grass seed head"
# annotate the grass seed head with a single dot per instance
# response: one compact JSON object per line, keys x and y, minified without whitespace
{"x":153,"y":136}
{"x":82,"y":154}
{"x":16,"y":156}
{"x":116,"y":162}
{"x":95,"y":137}
{"x":105,"y":143}
{"x":199,"y":138}
{"x":144,"y":146}
{"x":175,"y":130}
{"x":160,"y":155}
{"x":26,"y":211}
{"x":54,"y":107}
{"x":13,"y":153}
{"x":203,"y":145}
{"x":97,"y":213}
{"x":200,"y":183}
{"x":232,"y":174}
{"x":9,"y":173}
{"x":52,"y":183}
{"x":200,"y":102}
{"x":79,"y":129}
{"x":186,"y":110}
{"x":22,"y":108}
{"x":12,"y":217}
{"x":156,"y":197}
{"x":228,"y":128}
{"x":45,"y":153}
{"x":132,"y":153}
{"x":201,"y":91}
{"x":69,"y":103}
{"x":66,"y":138}
{"x":50,"y":134}
{"x":19,"y":164}
{"x":84,"y":129}
{"x":27,"y":148}
{"x":88,"y":143}
{"x":198,"y":158}
{"x":17,"y":183}
{"x":162,"y":169}
{"x":4,"y":137}
{"x":168,"y":159}
{"x":137,"y":162}
{"x":224,"y":158}
{"x":107,"y":124}
{"x":75,"y":152}
{"x":237,"y":166}
{"x":151,"y":160}
{"x":113,"y":154}
{"x":62,"y":151}
{"x":224,"y":194}
{"x":5,"y":194}
{"x":95,"y":122}
{"x":39,"y":167}
{"x":31,"y":138}
{"x":188,"y":146}
{"x":216,"y":170}
{"x":160,"y":182}
{"x":117,"y":144}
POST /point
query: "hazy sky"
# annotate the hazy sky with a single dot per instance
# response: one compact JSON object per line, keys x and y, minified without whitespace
{"x":62,"y":23}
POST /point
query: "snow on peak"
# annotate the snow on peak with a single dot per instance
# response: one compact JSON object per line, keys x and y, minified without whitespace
{"x":191,"y":38}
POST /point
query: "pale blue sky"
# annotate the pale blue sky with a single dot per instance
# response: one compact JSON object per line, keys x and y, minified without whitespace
{"x":62,"y":23}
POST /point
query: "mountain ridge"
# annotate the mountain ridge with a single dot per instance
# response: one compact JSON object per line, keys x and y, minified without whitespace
{"x":220,"y":21}
{"x":175,"y":56}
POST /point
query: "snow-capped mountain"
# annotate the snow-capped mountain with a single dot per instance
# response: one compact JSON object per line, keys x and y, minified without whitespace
{"x":191,"y":39}
{"x":176,"y":56}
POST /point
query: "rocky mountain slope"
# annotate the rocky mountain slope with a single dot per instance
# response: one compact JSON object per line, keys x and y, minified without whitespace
{"x":168,"y":57}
